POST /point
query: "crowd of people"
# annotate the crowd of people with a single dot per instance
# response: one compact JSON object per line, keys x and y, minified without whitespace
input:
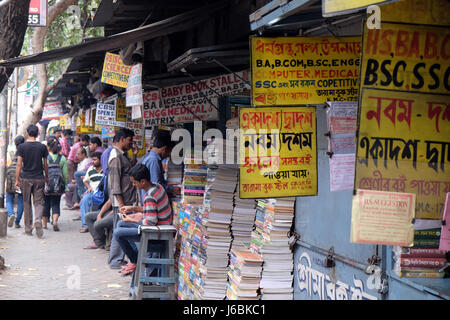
{"x":113,"y":192}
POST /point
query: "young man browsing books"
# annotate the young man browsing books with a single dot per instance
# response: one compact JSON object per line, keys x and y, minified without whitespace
{"x":156,"y":211}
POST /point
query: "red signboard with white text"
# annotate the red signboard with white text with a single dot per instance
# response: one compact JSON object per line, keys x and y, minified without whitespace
{"x":37,"y":14}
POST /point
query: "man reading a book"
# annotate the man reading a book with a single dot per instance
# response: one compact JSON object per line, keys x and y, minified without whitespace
{"x":156,"y":211}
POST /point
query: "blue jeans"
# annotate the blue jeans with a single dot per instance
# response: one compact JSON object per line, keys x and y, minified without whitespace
{"x":10,"y":205}
{"x":85,"y":207}
{"x":80,"y":185}
{"x":126,"y":234}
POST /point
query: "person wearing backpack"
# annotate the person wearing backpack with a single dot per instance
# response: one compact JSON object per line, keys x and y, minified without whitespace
{"x":58,"y":181}
{"x":11,"y":190}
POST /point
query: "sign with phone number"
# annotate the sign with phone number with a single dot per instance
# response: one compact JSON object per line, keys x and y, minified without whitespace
{"x":37,"y":14}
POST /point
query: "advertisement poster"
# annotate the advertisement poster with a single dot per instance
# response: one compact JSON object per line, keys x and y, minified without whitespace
{"x":138,"y":128}
{"x":445,"y":232}
{"x":336,"y":7}
{"x":404,"y":146}
{"x":278,"y":152}
{"x":114,"y":71}
{"x":342,"y":172}
{"x":304,"y":70}
{"x":37,"y":13}
{"x":406,"y":57}
{"x":341,"y":119}
{"x":108,"y":132}
{"x":134,"y":87}
{"x":384,"y":218}
{"x":52,"y":110}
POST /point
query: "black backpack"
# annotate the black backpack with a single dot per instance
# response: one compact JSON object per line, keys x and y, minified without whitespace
{"x":56,"y":183}
{"x":11,"y":177}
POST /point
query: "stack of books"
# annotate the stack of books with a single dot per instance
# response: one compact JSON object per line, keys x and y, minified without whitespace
{"x":271,"y":240}
{"x":242,"y":223}
{"x":194,"y":180}
{"x":244,"y":274}
{"x":419,"y":262}
{"x":218,"y":209}
{"x":175,"y":176}
{"x":424,"y":259}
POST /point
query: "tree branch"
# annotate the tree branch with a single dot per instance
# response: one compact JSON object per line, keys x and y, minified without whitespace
{"x":5,"y":2}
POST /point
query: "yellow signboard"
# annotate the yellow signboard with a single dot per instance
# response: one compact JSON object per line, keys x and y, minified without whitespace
{"x":434,"y":12}
{"x":383,"y":218}
{"x":278,"y":152}
{"x":335,"y":7}
{"x":406,"y":57}
{"x":304,"y":70}
{"x":404,"y":146}
{"x":114,"y":71}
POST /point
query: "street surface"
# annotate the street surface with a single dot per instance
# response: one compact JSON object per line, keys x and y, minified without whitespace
{"x":57,"y":267}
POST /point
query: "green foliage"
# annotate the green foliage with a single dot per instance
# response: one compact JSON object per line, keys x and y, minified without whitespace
{"x":66,"y":30}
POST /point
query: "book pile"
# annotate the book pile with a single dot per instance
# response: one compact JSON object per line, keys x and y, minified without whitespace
{"x":419,"y":263}
{"x":424,"y":259}
{"x":270,"y":239}
{"x":242,"y":223}
{"x":194,"y":180}
{"x":189,"y":252}
{"x":244,"y":274}
{"x":174,"y":175}
{"x":218,"y":210}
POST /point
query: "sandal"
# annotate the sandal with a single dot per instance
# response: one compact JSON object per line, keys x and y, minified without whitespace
{"x":128,"y":270}
{"x":84,"y":230}
{"x":93,"y":246}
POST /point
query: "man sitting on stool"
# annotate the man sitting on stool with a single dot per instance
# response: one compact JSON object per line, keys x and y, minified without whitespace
{"x":156,"y":211}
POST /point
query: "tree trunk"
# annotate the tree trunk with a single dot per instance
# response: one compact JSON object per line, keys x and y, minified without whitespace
{"x":37,"y":44}
{"x":13,"y":25}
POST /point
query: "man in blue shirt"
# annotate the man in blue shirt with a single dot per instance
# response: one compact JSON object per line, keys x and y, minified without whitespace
{"x":161,"y":148}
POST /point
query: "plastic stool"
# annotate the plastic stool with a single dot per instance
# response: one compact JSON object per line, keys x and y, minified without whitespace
{"x":143,"y":286}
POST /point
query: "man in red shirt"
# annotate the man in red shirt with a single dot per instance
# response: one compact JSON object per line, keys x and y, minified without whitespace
{"x":72,"y":160}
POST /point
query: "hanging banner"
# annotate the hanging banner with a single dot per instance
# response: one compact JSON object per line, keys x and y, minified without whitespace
{"x":52,"y":110}
{"x":433,"y":12}
{"x":134,"y":87}
{"x":407,"y":58}
{"x":304,"y":70}
{"x":189,"y":102}
{"x":404,"y":146}
{"x":37,"y":13}
{"x":114,"y":71}
{"x":338,"y":7}
{"x":384,"y":218}
{"x":278,"y":152}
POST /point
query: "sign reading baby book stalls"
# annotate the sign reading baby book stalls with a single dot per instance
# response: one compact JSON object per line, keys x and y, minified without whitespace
{"x":304,"y":70}
{"x":278,"y":152}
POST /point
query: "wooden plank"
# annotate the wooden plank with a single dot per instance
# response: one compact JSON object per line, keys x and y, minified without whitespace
{"x":266,"y":9}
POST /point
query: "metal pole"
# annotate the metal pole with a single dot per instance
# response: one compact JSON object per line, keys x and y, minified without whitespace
{"x":3,"y":142}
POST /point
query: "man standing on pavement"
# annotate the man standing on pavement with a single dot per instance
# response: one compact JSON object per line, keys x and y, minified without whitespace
{"x":31,"y":176}
{"x":121,"y":190}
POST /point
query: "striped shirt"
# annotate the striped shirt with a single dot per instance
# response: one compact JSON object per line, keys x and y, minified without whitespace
{"x":93,"y":177}
{"x":157,"y":208}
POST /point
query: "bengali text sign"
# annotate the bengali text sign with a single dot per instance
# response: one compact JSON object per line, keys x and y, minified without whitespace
{"x":433,"y":12}
{"x":404,"y":146}
{"x":114,"y":71}
{"x":406,"y":57}
{"x":52,"y":110}
{"x":304,"y":70}
{"x":383,"y":218}
{"x":278,"y":152}
{"x":134,"y":87}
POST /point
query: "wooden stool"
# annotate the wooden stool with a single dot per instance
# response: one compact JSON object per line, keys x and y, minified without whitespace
{"x":143,"y":286}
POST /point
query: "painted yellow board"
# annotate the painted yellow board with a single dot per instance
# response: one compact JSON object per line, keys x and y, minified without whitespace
{"x":432,"y":12}
{"x":304,"y":70}
{"x":333,"y":7}
{"x":406,"y":57}
{"x":114,"y":71}
{"x":278,"y":152}
{"x":404,"y":146}
{"x":121,"y":112}
{"x":385,"y":218}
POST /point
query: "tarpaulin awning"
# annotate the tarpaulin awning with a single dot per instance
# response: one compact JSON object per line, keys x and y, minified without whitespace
{"x":164,"y":27}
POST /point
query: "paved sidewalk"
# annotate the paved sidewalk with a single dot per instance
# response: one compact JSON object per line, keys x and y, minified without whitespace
{"x":57,"y":267}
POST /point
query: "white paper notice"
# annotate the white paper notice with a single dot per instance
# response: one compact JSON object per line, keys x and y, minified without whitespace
{"x":342,"y":172}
